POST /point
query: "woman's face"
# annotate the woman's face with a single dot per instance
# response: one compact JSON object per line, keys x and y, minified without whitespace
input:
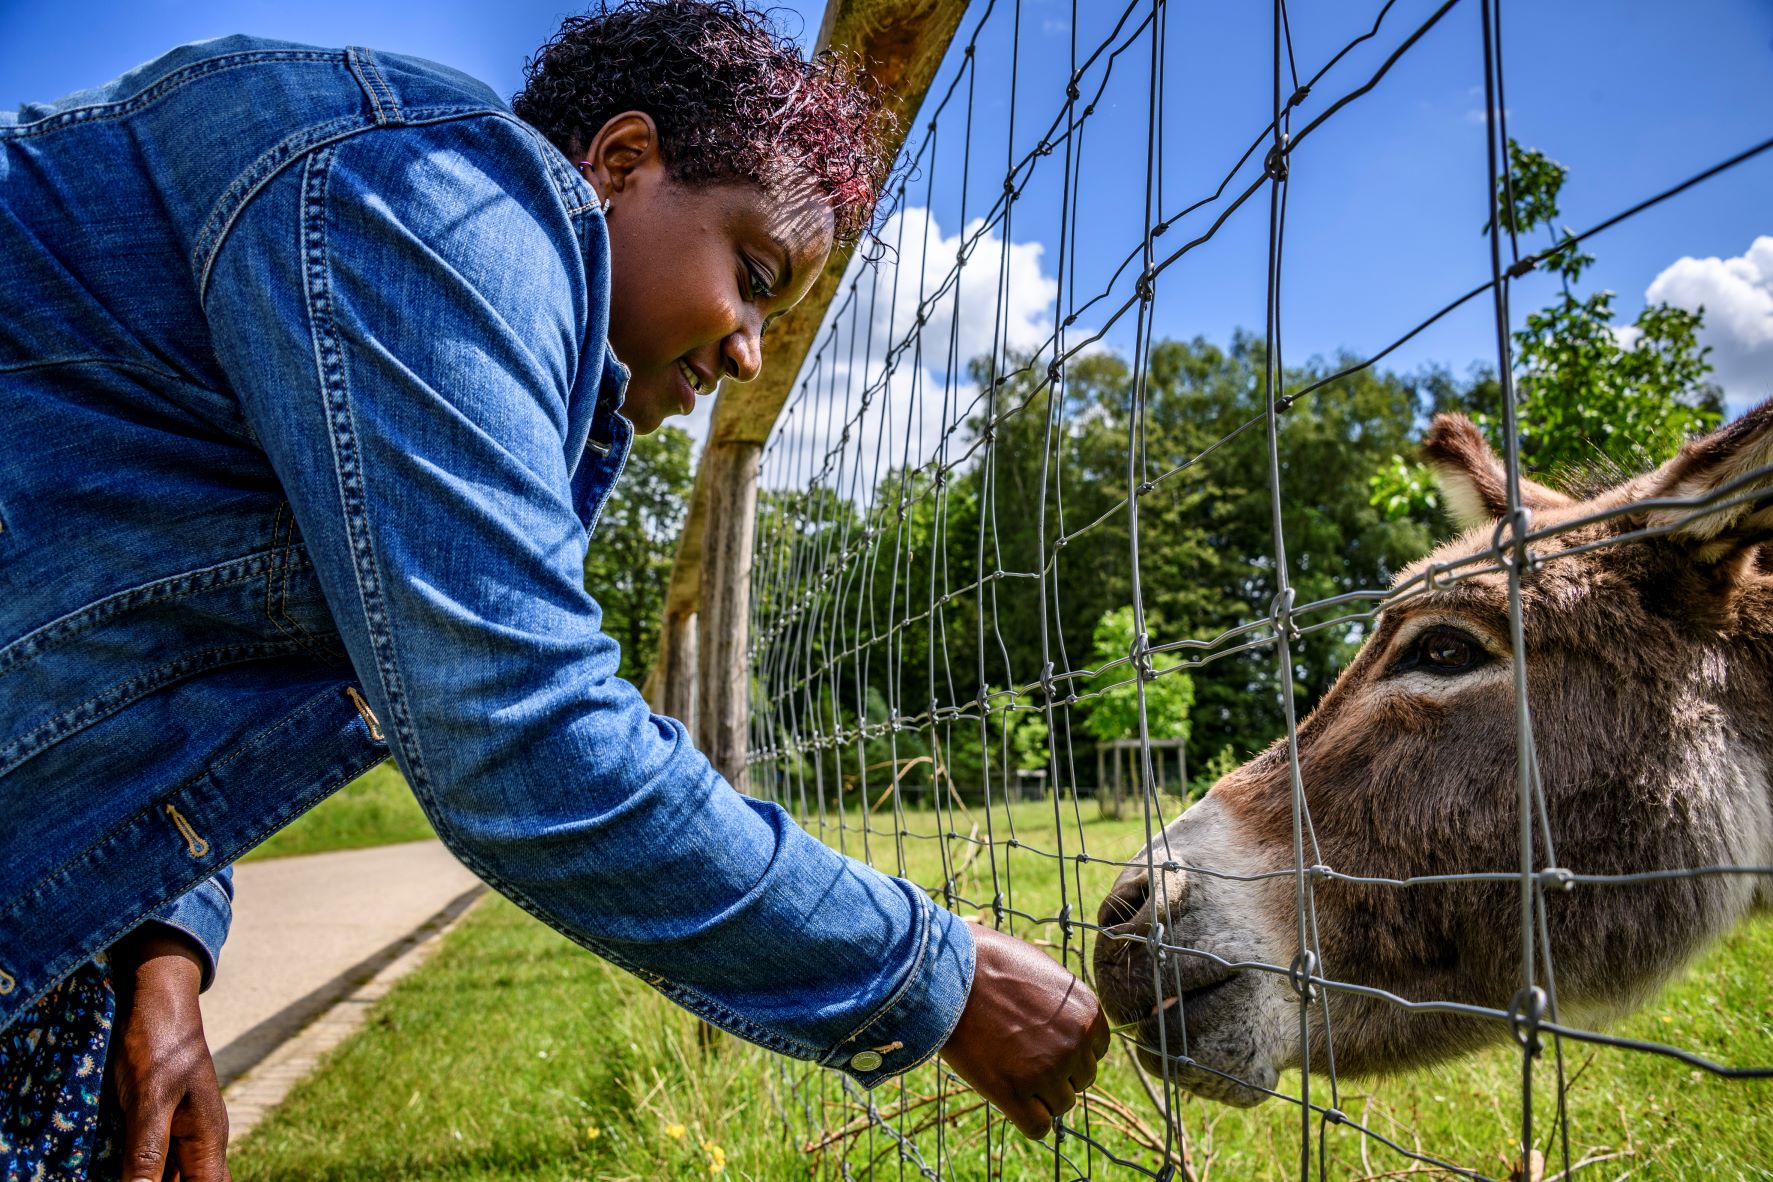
{"x":697,"y":272}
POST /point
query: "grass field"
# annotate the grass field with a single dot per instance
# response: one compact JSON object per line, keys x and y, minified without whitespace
{"x":376,"y":808}
{"x":512,"y":1055}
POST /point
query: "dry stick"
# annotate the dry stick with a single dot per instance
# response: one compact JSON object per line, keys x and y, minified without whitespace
{"x":867,"y":1121}
{"x":972,"y":855}
{"x":1592,"y":1158}
{"x":1186,"y":1161}
{"x":894,"y":786}
{"x":1135,"y":1129}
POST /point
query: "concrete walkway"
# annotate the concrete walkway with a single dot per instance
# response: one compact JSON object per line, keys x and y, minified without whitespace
{"x":312,"y":932}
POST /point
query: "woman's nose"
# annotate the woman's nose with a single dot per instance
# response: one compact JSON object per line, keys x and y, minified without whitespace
{"x":742,"y":352}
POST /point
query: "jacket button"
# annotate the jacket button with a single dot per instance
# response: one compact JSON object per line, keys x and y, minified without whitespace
{"x":865,"y":1060}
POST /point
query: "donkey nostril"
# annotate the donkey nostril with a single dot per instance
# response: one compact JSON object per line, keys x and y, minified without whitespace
{"x":1124,"y":902}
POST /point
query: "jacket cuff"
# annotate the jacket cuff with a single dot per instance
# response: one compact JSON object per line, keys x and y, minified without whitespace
{"x":916,"y":1021}
{"x":204,"y":914}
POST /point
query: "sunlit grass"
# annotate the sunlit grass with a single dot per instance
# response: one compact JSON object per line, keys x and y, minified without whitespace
{"x":514,"y":1055}
{"x":376,"y":808}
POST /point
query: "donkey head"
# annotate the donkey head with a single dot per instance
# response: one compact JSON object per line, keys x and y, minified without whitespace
{"x":1648,"y":629}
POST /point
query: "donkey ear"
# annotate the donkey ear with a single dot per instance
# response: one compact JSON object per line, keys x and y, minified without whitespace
{"x":1473,"y":478}
{"x":1738,"y":454}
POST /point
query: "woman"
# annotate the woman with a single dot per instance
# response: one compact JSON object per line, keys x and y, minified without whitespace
{"x":327,"y":361}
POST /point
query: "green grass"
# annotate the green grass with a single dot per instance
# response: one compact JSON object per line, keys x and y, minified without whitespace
{"x":500,"y":1056}
{"x":376,"y":808}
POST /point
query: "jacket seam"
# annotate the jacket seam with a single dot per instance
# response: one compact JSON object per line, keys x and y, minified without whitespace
{"x":101,"y":112}
{"x":368,"y":72}
{"x":283,"y":560}
{"x":342,"y":438}
{"x":226,"y":211}
{"x":109,"y":362}
{"x":124,"y":693}
{"x":318,"y":701}
{"x":58,"y":631}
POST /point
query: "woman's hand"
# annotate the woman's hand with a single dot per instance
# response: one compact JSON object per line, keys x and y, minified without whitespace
{"x":1031,"y":1033}
{"x":174,"y":1122}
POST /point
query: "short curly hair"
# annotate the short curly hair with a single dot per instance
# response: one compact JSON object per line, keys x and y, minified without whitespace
{"x":733,"y":99}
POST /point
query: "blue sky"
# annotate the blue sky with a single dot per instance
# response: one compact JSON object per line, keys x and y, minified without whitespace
{"x":1386,"y":200}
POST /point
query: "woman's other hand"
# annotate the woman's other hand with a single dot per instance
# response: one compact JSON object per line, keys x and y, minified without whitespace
{"x":174,"y":1121}
{"x":1030,"y":1035}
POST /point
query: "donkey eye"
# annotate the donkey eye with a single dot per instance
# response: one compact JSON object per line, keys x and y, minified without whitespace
{"x":1442,"y":650}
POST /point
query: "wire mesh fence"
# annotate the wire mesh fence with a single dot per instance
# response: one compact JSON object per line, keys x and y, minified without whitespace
{"x":1021,"y":562}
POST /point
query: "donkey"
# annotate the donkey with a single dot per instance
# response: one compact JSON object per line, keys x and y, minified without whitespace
{"x":1650,"y":680}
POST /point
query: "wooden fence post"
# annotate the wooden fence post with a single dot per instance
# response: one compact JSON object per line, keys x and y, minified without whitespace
{"x":901,"y":42}
{"x":723,"y":630}
{"x":671,"y":687}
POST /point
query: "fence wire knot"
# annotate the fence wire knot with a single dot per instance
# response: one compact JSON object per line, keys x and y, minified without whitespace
{"x":1516,"y":525}
{"x":1275,"y":163}
{"x":1140,"y":654}
{"x":1525,"y":1015}
{"x":1300,"y":973}
{"x":1280,"y":614}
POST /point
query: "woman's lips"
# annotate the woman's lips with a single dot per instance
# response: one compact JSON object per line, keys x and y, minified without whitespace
{"x":686,"y":390}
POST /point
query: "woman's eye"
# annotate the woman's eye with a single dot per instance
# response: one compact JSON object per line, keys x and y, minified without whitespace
{"x":760,"y":282}
{"x":1442,"y":650}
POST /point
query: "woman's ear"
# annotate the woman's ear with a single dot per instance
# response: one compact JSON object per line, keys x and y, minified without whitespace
{"x":624,"y":146}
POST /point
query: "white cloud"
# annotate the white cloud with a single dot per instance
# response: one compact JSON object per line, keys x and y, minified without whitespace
{"x":1737,"y":295}
{"x":928,"y":392}
{"x":920,"y":264}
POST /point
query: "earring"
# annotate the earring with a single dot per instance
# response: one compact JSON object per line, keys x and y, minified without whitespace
{"x":606,"y":202}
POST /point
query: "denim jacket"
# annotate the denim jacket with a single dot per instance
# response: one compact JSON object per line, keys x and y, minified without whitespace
{"x":309,"y":412}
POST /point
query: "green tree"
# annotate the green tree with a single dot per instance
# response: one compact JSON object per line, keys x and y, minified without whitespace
{"x":1588,"y":391}
{"x":1115,"y":715}
{"x":628,"y":563}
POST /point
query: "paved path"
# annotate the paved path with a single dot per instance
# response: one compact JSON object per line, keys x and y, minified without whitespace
{"x":309,"y":931}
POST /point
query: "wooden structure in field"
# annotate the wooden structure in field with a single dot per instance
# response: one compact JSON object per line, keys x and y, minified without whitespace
{"x":1111,"y":790}
{"x":701,"y":674}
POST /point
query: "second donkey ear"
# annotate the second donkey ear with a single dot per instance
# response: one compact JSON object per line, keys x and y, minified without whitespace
{"x":1473,"y":477}
{"x":1733,"y":466}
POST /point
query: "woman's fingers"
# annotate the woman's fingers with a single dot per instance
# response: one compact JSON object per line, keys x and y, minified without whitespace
{"x":1029,"y":1030}
{"x":174,"y":1118}
{"x":200,"y":1129}
{"x":147,"y":1125}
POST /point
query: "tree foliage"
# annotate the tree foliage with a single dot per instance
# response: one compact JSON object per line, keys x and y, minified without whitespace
{"x":1589,"y":390}
{"x":628,"y":563}
{"x":1115,"y":715}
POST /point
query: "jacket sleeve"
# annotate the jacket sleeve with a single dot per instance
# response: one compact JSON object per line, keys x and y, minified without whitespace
{"x":403,"y":315}
{"x":204,"y":914}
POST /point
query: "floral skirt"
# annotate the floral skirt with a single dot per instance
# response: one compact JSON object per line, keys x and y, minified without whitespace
{"x":52,"y":1067}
